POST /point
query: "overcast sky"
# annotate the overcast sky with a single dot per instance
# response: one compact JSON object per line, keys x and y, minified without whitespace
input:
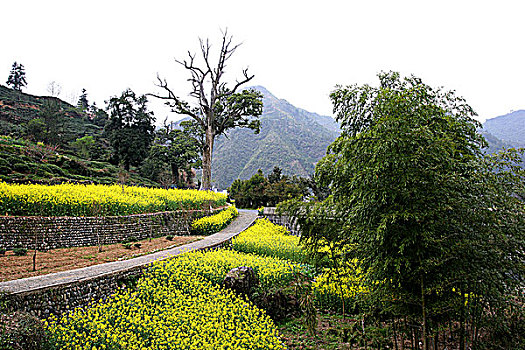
{"x":298,"y":50}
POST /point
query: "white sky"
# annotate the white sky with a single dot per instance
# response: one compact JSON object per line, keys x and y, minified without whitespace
{"x":299,"y":50}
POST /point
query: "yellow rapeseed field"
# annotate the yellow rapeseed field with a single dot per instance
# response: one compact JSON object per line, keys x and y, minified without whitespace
{"x":268,"y":239}
{"x":330,"y":286}
{"x":214,"y":223}
{"x":214,"y":265}
{"x":174,"y":307}
{"x":179,"y":303}
{"x":99,"y":200}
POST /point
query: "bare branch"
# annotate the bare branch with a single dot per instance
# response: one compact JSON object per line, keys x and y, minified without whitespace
{"x":225,"y":54}
{"x":166,"y":125}
{"x":206,"y":55}
{"x":188,"y":64}
{"x":177,"y":105}
{"x":198,"y":75}
{"x":246,"y":79}
{"x":218,"y":90}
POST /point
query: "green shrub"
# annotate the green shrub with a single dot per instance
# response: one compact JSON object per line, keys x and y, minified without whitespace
{"x":21,"y":167}
{"x":56,"y":169}
{"x":130,"y":239}
{"x":21,"y":330}
{"x":43,"y":172}
{"x":20,"y":251}
{"x":4,"y":170}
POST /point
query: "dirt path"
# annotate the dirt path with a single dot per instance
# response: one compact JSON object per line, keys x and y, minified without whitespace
{"x":64,"y":259}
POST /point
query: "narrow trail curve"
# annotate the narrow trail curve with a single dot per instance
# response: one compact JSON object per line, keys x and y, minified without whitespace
{"x":64,"y":278}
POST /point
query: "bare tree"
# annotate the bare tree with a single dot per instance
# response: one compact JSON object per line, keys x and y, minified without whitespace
{"x":217,"y":108}
{"x":72,"y":97}
{"x":54,"y":88}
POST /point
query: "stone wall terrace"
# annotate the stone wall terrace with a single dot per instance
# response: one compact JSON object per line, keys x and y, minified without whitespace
{"x":60,"y":232}
{"x":270,"y":213}
{"x":61,"y":292}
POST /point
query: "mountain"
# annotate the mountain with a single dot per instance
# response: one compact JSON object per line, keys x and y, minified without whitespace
{"x":509,"y":128}
{"x":494,"y":144}
{"x":290,"y":138}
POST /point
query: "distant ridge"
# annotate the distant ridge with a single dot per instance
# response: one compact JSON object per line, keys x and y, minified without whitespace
{"x":509,"y":128}
{"x":290,"y":138}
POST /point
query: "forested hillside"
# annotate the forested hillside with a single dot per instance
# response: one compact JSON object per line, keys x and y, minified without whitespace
{"x":509,"y":128}
{"x":46,"y":140}
{"x":17,"y":109}
{"x":290,"y":138}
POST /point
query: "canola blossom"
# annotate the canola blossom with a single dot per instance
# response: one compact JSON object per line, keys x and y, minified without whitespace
{"x":214,"y":223}
{"x":331,"y":288}
{"x":214,"y":265}
{"x":171,"y":308}
{"x":267,"y":239}
{"x":179,"y":302}
{"x":99,"y":200}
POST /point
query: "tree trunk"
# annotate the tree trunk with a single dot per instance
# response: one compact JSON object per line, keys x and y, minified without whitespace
{"x":462,"y":322}
{"x":424,"y":314}
{"x":206,"y":160}
{"x":175,"y":174}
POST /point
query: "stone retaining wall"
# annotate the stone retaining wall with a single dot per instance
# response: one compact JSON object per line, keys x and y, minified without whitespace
{"x":283,"y":220}
{"x":59,"y":232}
{"x":59,"y":299}
{"x":63,"y":291}
{"x":63,"y":298}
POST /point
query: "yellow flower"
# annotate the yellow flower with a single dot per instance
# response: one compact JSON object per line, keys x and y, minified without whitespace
{"x":175,"y":306}
{"x":99,"y":200}
{"x":214,"y":223}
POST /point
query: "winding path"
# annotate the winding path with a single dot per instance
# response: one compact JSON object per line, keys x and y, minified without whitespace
{"x":64,"y":278}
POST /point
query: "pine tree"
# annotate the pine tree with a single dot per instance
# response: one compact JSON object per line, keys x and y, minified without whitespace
{"x":17,"y":77}
{"x":83,"y":103}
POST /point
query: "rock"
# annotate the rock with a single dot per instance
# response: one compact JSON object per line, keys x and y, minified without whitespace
{"x":21,"y":330}
{"x":241,"y":280}
{"x":279,"y":305}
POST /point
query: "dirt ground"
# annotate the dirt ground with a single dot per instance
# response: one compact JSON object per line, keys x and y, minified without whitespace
{"x":14,"y":267}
